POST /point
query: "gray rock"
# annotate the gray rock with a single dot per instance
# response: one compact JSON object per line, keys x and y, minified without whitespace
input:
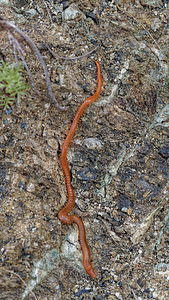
{"x":31,"y":12}
{"x":5,"y":2}
{"x":71,"y":13}
{"x":152,"y":3}
{"x":156,"y":24}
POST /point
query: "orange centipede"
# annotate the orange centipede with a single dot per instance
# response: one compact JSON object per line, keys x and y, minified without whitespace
{"x":63,"y":214}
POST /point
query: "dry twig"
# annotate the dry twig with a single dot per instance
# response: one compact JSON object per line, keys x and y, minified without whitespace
{"x":64,"y":57}
{"x":73,"y":57}
{"x":17,"y":48}
{"x":5,"y":25}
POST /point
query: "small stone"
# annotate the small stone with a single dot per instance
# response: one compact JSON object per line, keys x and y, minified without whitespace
{"x":92,"y":143}
{"x":5,"y":2}
{"x":31,"y":12}
{"x":30,"y":187}
{"x":53,"y":143}
{"x":156,"y":24}
{"x":71,"y":13}
{"x":152,"y":3}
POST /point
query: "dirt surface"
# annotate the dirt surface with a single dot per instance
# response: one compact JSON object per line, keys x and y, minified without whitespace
{"x":118,"y":157}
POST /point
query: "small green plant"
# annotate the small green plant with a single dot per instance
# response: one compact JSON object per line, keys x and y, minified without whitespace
{"x":12,"y":86}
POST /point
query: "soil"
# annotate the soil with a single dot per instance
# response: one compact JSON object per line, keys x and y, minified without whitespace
{"x":118,"y":157}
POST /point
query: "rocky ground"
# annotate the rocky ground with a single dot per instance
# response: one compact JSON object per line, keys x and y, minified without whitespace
{"x":118,"y":157}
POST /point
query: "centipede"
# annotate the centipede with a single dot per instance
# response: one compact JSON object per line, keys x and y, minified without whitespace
{"x":63,"y":214}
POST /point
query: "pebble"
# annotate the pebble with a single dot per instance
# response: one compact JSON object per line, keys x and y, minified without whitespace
{"x":152,"y":3}
{"x":71,"y":13}
{"x":92,"y":143}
